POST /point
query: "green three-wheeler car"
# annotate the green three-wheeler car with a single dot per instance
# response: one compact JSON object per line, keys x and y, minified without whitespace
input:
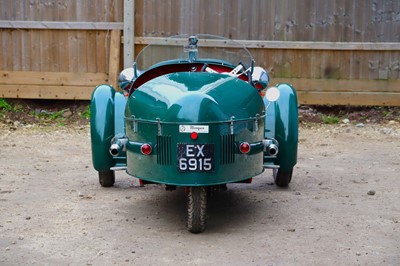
{"x":194,"y":112}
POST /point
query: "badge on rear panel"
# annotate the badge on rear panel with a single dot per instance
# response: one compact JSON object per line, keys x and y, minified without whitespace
{"x":193,"y":128}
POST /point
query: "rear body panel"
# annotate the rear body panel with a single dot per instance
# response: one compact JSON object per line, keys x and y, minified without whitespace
{"x":222,"y":110}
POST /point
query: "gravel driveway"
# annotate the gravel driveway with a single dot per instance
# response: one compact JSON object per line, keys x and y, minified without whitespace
{"x":342,"y":207}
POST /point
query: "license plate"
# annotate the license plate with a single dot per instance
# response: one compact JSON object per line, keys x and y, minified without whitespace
{"x":195,"y":157}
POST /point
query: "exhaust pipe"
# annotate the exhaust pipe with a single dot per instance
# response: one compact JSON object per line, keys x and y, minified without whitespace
{"x":117,"y":146}
{"x":115,"y":149}
{"x":273,"y":149}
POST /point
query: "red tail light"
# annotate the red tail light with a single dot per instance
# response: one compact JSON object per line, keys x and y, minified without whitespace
{"x":194,"y":135}
{"x":244,"y":147}
{"x":146,"y":149}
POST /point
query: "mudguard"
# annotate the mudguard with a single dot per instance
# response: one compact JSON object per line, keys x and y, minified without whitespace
{"x":106,"y":120}
{"x":281,"y":123}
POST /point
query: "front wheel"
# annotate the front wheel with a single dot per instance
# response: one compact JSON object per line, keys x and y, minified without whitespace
{"x":107,"y":178}
{"x":197,"y":209}
{"x":282,"y":178}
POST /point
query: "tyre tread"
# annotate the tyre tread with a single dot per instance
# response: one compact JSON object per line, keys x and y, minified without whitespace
{"x":283,"y":178}
{"x":197,"y":209}
{"x":107,"y":178}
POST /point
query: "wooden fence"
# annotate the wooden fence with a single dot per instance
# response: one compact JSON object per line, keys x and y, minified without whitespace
{"x":339,"y":52}
{"x":58,"y":49}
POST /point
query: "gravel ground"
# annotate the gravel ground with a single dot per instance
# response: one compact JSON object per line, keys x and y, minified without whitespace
{"x":342,"y":207}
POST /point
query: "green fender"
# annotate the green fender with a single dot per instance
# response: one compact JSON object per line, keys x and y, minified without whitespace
{"x":106,"y":120}
{"x":282,"y":124}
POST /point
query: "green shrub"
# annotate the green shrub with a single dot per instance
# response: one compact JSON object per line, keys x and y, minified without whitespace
{"x":4,"y":106}
{"x":86,"y":112}
{"x":329,"y":119}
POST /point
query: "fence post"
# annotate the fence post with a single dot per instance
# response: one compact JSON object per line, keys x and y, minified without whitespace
{"x":114,"y":60}
{"x":129,"y":32}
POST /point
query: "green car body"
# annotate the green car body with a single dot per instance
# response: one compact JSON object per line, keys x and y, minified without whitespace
{"x":193,"y":99}
{"x":193,"y":122}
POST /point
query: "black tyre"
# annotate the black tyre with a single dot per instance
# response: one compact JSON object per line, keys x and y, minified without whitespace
{"x":107,"y":178}
{"x":197,"y":209}
{"x":282,"y":178}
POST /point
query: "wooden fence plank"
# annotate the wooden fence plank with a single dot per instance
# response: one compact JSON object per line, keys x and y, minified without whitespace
{"x":81,"y":44}
{"x":46,"y":92}
{"x":51,"y":85}
{"x":114,"y":64}
{"x":27,"y":78}
{"x":91,"y":51}
{"x":102,"y":42}
{"x":73,"y":51}
{"x":61,"y":25}
{"x":35,"y":56}
{"x":291,"y":45}
{"x":45,"y":42}
{"x":26,"y":53}
{"x":129,"y":32}
{"x":64,"y":51}
{"x":7,"y":53}
{"x":348,"y":98}
{"x":340,"y":85}
{"x":16,"y":51}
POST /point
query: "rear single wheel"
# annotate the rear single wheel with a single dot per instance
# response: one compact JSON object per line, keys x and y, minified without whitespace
{"x":197,"y":209}
{"x":282,"y":178}
{"x":107,"y":178}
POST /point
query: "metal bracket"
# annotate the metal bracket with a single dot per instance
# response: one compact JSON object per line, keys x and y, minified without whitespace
{"x":159,"y":127}
{"x":256,"y":122}
{"x":231,"y":125}
{"x":134,"y":124}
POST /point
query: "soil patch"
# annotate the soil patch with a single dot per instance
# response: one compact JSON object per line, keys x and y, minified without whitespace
{"x":65,"y":113}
